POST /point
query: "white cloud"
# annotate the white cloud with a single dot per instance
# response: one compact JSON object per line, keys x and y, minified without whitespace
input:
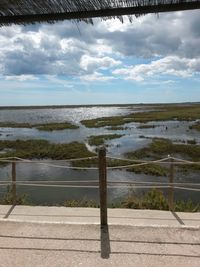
{"x":21,"y":78}
{"x":96,"y":77}
{"x":90,"y":63}
{"x":61,"y":49}
{"x":171,"y":65}
{"x":100,"y":48}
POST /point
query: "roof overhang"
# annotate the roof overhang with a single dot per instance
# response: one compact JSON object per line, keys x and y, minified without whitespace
{"x":33,"y":11}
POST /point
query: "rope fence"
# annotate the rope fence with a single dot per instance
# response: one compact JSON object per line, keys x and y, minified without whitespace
{"x":108,"y":186}
{"x":102,"y":183}
{"x":138,"y":164}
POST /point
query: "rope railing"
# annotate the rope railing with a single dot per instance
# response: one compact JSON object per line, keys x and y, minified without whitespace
{"x":102,"y":183}
{"x":108,"y":182}
{"x":181,"y":187}
{"x":97,"y":181}
{"x":138,"y":164}
{"x":117,"y":184}
{"x":31,"y":161}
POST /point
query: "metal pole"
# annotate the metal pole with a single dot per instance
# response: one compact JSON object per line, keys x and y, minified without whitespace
{"x":171,"y":189}
{"x":13,"y":190}
{"x":103,"y":186}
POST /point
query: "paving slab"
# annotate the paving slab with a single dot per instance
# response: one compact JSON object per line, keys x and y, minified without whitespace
{"x":59,"y":236}
{"x":40,"y":244}
{"x":92,"y":216}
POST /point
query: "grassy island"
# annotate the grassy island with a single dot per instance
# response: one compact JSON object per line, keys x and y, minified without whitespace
{"x":160,"y":113}
{"x":56,"y":126}
{"x":116,"y":128}
{"x":195,"y":126}
{"x":42,"y":149}
{"x":146,"y":126}
{"x":162,"y":148}
{"x":42,"y":126}
{"x":157,"y":149}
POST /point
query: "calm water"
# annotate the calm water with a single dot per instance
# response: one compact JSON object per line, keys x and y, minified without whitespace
{"x":176,"y":131}
{"x":74,"y":115}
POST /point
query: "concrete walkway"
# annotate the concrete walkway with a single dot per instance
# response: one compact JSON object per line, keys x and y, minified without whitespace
{"x":92,"y":216}
{"x":57,"y":236}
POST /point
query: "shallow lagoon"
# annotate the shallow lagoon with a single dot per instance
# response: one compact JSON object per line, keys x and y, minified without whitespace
{"x":132,"y":140}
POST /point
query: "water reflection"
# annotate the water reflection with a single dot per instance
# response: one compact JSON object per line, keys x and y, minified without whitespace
{"x":53,"y":195}
{"x":133,"y":138}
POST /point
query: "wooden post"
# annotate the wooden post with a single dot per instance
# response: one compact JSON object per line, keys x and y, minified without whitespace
{"x":13,"y":190}
{"x":103,"y":186}
{"x":171,"y":189}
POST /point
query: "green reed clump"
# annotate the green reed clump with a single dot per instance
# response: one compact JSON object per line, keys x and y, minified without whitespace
{"x":104,"y":121}
{"x":195,"y":126}
{"x":160,"y":113}
{"x":81,"y":203}
{"x":161,"y":147}
{"x":151,"y":169}
{"x":56,"y":126}
{"x":15,"y":125}
{"x":146,"y":126}
{"x":155,"y":200}
{"x":116,"y":128}
{"x":42,"y":126}
{"x":8,"y":199}
{"x":42,"y":149}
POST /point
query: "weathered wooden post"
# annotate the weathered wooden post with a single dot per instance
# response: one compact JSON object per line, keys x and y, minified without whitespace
{"x":13,"y":190}
{"x":103,"y":186}
{"x":171,"y":181}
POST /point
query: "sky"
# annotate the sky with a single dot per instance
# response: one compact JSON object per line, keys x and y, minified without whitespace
{"x":154,"y":59}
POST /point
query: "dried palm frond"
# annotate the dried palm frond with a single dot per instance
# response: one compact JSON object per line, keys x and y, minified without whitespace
{"x":32,"y":11}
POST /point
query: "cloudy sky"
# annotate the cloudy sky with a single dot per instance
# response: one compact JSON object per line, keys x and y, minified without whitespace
{"x":153,"y":59}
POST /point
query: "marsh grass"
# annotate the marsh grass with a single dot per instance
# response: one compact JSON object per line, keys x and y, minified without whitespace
{"x":163,"y":147}
{"x":195,"y":126}
{"x":147,"y":126}
{"x":151,"y":169}
{"x":116,"y":128}
{"x":81,"y":203}
{"x":192,"y":142}
{"x":104,"y":121}
{"x":7,"y":199}
{"x":42,"y":149}
{"x":153,"y":199}
{"x":160,"y":113}
{"x":41,"y":127}
{"x":56,"y":126}
{"x":157,"y":149}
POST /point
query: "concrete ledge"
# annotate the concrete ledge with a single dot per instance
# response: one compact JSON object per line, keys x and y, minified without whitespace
{"x":54,"y":244}
{"x":59,"y":236}
{"x":92,"y":216}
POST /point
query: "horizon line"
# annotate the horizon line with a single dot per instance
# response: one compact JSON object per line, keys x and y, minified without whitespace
{"x":94,"y":105}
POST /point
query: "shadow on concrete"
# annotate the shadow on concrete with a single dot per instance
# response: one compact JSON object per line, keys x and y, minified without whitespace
{"x":104,"y":238}
{"x":55,"y":215}
{"x":93,"y":251}
{"x":177,"y":218}
{"x":105,"y":242}
{"x":105,"y":246}
{"x":9,"y":212}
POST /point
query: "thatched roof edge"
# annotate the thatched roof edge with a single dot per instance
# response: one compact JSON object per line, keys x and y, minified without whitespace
{"x":139,"y":8}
